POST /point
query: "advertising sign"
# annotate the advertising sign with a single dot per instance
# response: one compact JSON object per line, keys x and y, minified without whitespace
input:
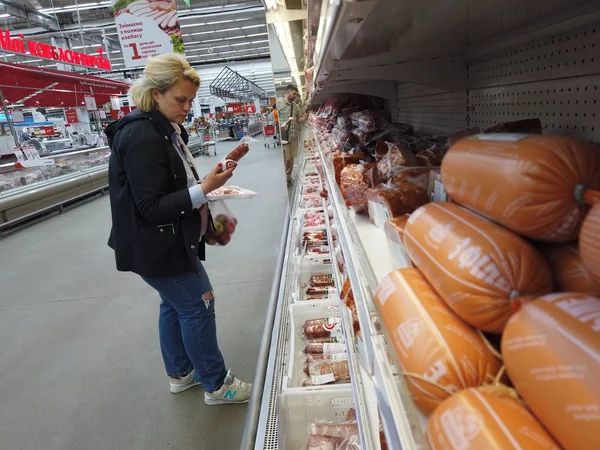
{"x":146,"y":29}
{"x":71,"y":116}
{"x":18,"y":44}
{"x":90,"y":103}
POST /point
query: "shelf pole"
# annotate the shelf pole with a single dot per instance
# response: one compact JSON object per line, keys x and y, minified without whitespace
{"x":8,"y":119}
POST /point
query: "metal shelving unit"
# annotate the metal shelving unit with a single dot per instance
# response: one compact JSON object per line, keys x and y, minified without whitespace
{"x":443,"y":68}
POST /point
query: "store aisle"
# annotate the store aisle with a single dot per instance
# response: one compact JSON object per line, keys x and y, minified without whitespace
{"x":79,"y":355}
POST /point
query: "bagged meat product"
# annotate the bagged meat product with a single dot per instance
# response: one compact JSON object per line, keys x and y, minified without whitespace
{"x":341,"y":160}
{"x":476,"y":419}
{"x":321,"y":280}
{"x":388,"y":201}
{"x":480,"y":269}
{"x":316,"y":442}
{"x":344,"y":138}
{"x":551,"y":349}
{"x":415,"y":175}
{"x":325,"y":346}
{"x":443,"y":352}
{"x":343,"y":431}
{"x":394,"y":232}
{"x":589,"y":243}
{"x":431,"y":157}
{"x":533,"y":185}
{"x":529,"y":126}
{"x":366,"y":121}
{"x":234,"y":156}
{"x":454,"y":138}
{"x":321,"y":328}
{"x":568,"y":272}
{"x":355,"y":180}
{"x":397,"y":156}
{"x":325,"y":372}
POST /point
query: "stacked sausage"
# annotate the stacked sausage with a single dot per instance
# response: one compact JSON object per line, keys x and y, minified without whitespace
{"x":503,"y":258}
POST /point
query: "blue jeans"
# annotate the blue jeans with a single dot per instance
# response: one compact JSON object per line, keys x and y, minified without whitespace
{"x":187,"y":327}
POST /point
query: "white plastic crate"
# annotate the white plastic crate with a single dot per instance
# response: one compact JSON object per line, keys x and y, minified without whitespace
{"x":299,"y":314}
{"x":298,"y":408}
{"x":309,"y":266}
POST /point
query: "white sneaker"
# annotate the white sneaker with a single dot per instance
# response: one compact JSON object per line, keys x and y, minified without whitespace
{"x":181,"y":384}
{"x":232,"y":391}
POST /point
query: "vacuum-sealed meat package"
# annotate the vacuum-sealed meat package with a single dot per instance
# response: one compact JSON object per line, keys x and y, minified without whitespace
{"x":234,"y":156}
{"x":480,"y":269}
{"x":322,"y":328}
{"x":397,"y":156}
{"x":432,"y":157}
{"x":355,"y":180}
{"x":325,"y":346}
{"x":534,"y":185}
{"x":366,"y":121}
{"x":387,"y":201}
{"x":439,"y":354}
{"x":325,"y":372}
{"x":344,"y":138}
{"x":321,"y":280}
{"x":415,"y":175}
{"x":341,"y":160}
{"x":551,"y":349}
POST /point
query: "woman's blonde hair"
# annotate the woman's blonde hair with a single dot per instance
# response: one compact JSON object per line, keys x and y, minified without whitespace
{"x":162,"y":72}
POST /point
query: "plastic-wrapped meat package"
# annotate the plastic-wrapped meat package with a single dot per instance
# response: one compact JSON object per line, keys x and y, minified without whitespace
{"x":317,"y":237}
{"x":341,"y":160}
{"x":454,"y":138}
{"x":314,"y":219}
{"x":432,"y":157}
{"x":397,"y":156}
{"x":388,"y":201}
{"x":339,"y":259}
{"x":367,"y":121}
{"x":317,"y":250}
{"x":311,"y":201}
{"x":321,"y":280}
{"x":343,"y":431}
{"x":316,"y":442}
{"x":321,"y":293}
{"x":415,"y":175}
{"x":381,"y":149}
{"x":362,"y":137}
{"x":322,"y":328}
{"x":344,"y":138}
{"x":343,"y":123}
{"x":355,"y":180}
{"x":529,"y":126}
{"x":325,"y":372}
{"x":325,"y":346}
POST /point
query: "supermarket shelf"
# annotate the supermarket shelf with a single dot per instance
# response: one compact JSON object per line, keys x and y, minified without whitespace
{"x":403,"y":425}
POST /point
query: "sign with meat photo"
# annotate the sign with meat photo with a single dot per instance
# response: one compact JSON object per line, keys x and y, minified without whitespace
{"x":147,"y":28}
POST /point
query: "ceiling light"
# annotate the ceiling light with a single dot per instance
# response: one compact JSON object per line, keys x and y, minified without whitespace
{"x":82,"y":7}
{"x":229,"y":38}
{"x":253,"y":26}
{"x":4,"y":16}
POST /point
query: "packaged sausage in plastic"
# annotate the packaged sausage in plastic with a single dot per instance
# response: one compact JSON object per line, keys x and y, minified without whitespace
{"x":589,"y":243}
{"x":325,"y":346}
{"x":341,"y":160}
{"x":394,"y":232}
{"x":480,"y":418}
{"x":355,"y":180}
{"x":322,"y":328}
{"x":439,"y":354}
{"x":222,"y":224}
{"x":480,"y":269}
{"x":387,"y":201}
{"x":431,"y":157}
{"x":534,"y":185}
{"x":321,"y":280}
{"x":396,"y":156}
{"x":551,"y":350}
{"x":325,"y":372}
{"x":415,"y":175}
{"x":344,"y":138}
{"x":568,"y":271}
{"x":367,"y":121}
{"x":234,"y":156}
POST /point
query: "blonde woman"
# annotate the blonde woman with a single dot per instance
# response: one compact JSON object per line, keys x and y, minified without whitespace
{"x":159,"y":217}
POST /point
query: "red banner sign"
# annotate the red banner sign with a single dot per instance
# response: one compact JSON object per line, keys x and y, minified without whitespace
{"x":48,"y":131}
{"x":250,"y":108}
{"x":24,"y":46}
{"x":72,"y":116}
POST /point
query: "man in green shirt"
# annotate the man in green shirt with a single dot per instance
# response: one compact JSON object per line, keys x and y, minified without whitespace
{"x":290,"y":118}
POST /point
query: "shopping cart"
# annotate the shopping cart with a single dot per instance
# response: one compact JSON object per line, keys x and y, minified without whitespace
{"x":268,"y":132}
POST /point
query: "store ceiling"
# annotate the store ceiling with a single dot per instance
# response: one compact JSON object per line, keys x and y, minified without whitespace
{"x":214,"y":31}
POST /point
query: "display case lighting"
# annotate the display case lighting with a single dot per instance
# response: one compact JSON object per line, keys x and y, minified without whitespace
{"x":82,"y":7}
{"x":271,"y":4}
{"x":4,"y":16}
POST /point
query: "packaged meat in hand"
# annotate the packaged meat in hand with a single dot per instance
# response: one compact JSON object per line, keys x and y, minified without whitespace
{"x":415,"y":175}
{"x":388,"y":201}
{"x":397,"y":156}
{"x":355,"y":180}
{"x":234,"y":156}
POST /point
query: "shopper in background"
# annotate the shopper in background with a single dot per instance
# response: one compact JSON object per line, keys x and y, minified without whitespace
{"x":290,"y":118}
{"x":159,"y":217}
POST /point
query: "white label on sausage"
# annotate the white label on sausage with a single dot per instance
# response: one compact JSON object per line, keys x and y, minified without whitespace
{"x":408,"y":330}
{"x":586,"y":310}
{"x":461,"y":425}
{"x":334,"y":326}
{"x":386,"y":288}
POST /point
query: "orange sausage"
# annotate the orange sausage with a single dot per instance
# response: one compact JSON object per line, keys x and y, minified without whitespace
{"x":589,"y":243}
{"x":431,"y":341}
{"x":477,"y":267}
{"x":531,"y":184}
{"x":551,"y":349}
{"x":474,"y":419}
{"x":568,"y":271}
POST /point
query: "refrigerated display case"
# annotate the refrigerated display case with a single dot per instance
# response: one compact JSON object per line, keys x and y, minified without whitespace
{"x":441,"y":69}
{"x":28,"y":192}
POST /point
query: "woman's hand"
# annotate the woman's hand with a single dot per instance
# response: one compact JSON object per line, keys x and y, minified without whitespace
{"x":215,"y":178}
